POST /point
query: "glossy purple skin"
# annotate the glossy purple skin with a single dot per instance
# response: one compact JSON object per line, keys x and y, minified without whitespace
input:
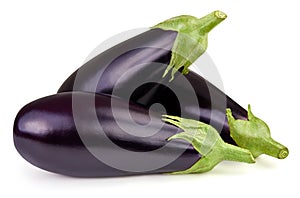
{"x":136,"y":59}
{"x":46,"y":136}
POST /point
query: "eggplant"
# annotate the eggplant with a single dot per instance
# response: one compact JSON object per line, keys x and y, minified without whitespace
{"x":137,"y":70}
{"x":87,"y":135}
{"x":133,"y":70}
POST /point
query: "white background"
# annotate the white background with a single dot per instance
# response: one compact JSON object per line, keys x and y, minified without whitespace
{"x":256,"y":50}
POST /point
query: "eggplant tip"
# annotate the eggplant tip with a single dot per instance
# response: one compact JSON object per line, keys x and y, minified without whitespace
{"x":220,"y":14}
{"x":283,"y":153}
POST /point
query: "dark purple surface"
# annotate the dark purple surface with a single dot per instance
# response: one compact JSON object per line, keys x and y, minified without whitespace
{"x":131,"y":62}
{"x":46,"y":136}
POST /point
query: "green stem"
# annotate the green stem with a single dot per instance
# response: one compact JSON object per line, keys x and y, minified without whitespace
{"x":234,"y":153}
{"x":191,"y":40}
{"x":274,"y":149}
{"x":207,"y":141}
{"x":208,"y":22}
{"x":254,"y":134}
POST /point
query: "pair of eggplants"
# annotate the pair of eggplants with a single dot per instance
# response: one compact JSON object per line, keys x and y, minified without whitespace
{"x":104,"y":121}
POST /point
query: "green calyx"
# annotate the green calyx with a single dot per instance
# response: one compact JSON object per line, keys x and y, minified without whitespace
{"x":191,"y":41}
{"x":254,"y":134}
{"x":207,"y":141}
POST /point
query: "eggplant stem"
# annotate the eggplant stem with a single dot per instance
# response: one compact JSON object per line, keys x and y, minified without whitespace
{"x":254,"y":134}
{"x":191,"y":40}
{"x":275,"y":149}
{"x":234,"y":153}
{"x":206,"y":140}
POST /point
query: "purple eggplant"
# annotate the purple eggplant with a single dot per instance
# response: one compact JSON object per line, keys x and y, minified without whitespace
{"x":138,"y":70}
{"x":133,"y":70}
{"x":86,"y":135}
